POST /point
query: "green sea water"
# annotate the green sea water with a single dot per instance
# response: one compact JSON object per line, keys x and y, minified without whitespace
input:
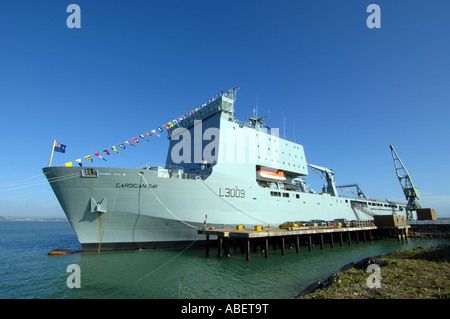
{"x":27,"y":271}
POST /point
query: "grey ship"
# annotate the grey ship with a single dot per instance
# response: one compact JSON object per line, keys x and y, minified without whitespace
{"x":219,"y":172}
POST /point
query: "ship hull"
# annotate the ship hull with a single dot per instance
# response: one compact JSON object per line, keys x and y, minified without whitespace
{"x":119,"y":208}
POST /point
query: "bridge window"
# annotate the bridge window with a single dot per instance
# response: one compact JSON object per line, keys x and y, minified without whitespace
{"x":89,"y":172}
{"x":276,"y":194}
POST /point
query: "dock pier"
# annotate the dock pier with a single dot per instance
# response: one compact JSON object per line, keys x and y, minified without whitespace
{"x":262,"y":237}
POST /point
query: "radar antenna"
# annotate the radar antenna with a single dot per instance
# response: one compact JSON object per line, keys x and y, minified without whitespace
{"x":412,"y":193}
{"x":256,"y":121}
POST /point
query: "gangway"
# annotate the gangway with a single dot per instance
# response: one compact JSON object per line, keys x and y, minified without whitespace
{"x":365,"y":211}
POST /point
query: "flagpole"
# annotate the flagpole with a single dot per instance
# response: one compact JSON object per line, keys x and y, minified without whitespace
{"x":51,"y":156}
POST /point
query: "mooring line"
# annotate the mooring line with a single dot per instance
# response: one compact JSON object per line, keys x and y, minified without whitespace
{"x":167,"y":209}
{"x":37,"y":183}
{"x":161,"y":266}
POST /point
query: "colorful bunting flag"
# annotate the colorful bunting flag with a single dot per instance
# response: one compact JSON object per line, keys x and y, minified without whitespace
{"x":114,"y":148}
{"x":154,"y":131}
{"x":98,"y":154}
{"x":58,"y":147}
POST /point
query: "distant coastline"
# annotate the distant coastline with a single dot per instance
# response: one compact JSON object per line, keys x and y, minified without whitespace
{"x":11,"y":218}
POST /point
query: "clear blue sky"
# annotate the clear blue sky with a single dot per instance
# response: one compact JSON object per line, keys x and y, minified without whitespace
{"x":350,"y":91}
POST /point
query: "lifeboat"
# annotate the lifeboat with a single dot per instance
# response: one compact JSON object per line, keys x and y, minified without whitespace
{"x":268,"y":174}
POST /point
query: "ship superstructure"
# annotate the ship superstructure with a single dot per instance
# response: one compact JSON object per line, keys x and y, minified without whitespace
{"x":218,"y":171}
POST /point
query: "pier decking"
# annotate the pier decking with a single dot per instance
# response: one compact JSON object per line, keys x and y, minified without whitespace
{"x":264,"y":236}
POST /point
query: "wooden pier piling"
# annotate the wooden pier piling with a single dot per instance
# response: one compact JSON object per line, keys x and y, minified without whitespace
{"x":245,"y":238}
{"x":247,"y":249}
{"x":207,"y":245}
{"x":266,"y":251}
{"x":219,"y":246}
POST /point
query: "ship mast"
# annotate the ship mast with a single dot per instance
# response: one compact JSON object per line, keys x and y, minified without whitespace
{"x":255,"y":121}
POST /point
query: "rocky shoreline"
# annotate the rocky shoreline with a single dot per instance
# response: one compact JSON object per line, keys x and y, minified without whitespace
{"x":419,"y":273}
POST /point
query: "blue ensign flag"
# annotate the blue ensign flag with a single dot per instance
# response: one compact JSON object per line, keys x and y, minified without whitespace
{"x":59,"y":147}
